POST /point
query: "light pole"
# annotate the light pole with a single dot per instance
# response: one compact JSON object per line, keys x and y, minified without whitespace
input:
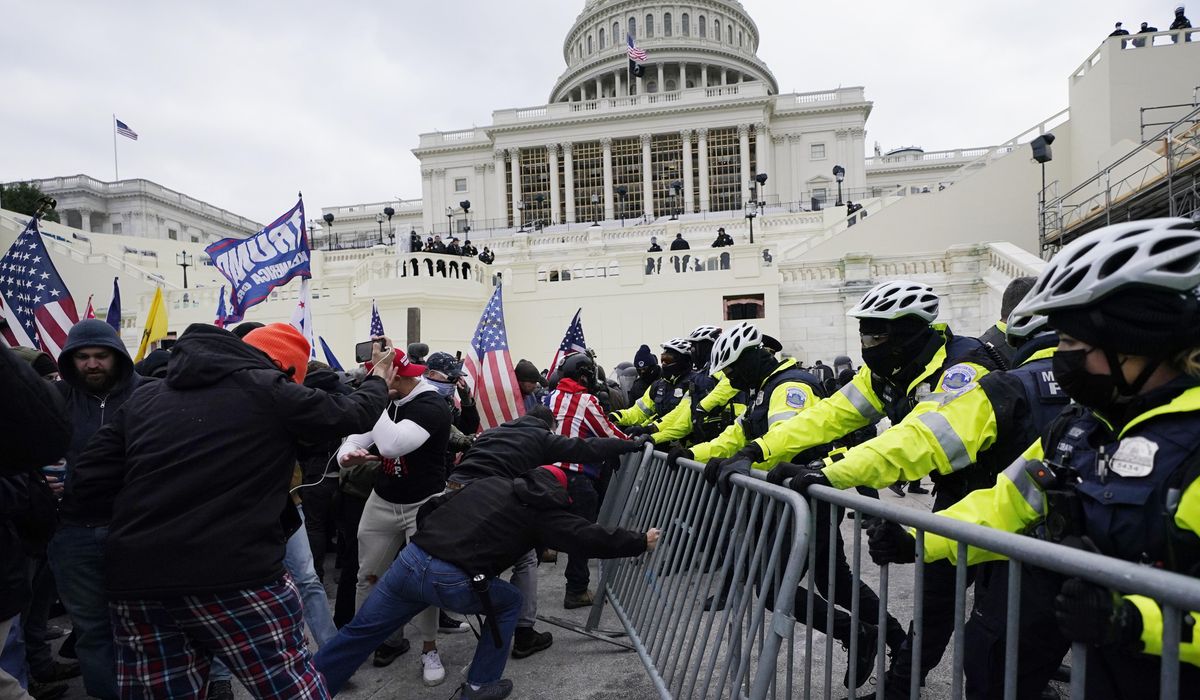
{"x":520,"y":216}
{"x":622,"y":192}
{"x":539,"y":217}
{"x":466,"y":207}
{"x":751,"y":212}
{"x":389,"y":213}
{"x":449,"y":223}
{"x":184,"y":260}
{"x":328,"y":231}
{"x":839,"y":174}
{"x":379,"y":220}
{"x":1042,"y":154}
{"x":595,"y":210}
{"x":677,"y":189}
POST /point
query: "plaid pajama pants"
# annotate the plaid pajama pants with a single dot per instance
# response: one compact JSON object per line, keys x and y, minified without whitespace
{"x":165,"y":647}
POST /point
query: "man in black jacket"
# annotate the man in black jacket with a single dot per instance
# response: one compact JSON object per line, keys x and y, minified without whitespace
{"x":195,"y":469}
{"x":97,"y":378}
{"x":477,"y":531}
{"x":510,"y":450}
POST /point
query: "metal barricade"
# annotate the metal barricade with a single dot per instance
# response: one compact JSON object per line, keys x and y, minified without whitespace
{"x":710,"y":609}
{"x":1173,"y":592}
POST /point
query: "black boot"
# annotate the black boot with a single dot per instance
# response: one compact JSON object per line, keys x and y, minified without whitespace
{"x":868,"y":638}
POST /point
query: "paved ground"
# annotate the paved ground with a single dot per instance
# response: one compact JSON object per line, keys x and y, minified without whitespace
{"x":580,"y":667}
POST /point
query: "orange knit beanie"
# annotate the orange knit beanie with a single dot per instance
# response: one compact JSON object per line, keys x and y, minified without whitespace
{"x":283,"y":344}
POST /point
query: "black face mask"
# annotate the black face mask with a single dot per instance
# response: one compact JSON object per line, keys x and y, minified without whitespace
{"x":1096,"y":391}
{"x":895,"y":354}
{"x":678,"y":365}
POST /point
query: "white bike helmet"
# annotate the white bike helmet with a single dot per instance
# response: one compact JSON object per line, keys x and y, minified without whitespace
{"x":733,"y":344}
{"x":1022,"y":327}
{"x":710,"y":333}
{"x":679,"y":346}
{"x":892,"y":300}
{"x":1155,"y":253}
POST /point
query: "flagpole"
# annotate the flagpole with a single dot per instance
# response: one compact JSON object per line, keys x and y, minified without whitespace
{"x":116,"y":170}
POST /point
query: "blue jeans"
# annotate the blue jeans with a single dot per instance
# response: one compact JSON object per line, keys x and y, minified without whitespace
{"x":415,"y":581}
{"x":298,"y":560}
{"x":77,"y":559}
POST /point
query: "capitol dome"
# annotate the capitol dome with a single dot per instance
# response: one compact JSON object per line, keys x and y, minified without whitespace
{"x":703,"y":43}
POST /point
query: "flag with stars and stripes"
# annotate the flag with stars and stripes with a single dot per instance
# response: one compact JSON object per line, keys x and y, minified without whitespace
{"x":221,"y":312}
{"x":376,"y":322}
{"x":635,"y":54}
{"x":572,"y":342}
{"x":302,"y":318}
{"x":33,"y":297}
{"x":496,"y":391}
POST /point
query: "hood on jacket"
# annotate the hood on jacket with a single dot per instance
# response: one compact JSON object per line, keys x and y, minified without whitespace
{"x":154,"y":364}
{"x":93,"y":333}
{"x":539,"y":489}
{"x":326,"y":380}
{"x":206,"y":354}
{"x":527,"y":421}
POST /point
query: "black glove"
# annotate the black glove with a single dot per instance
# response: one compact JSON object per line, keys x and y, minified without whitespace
{"x":638,"y":430}
{"x":811,"y":474}
{"x":888,"y":543}
{"x":751,"y":452}
{"x":612,"y":418}
{"x":635,"y":444}
{"x":676,"y":454}
{"x":718,"y":472}
{"x":782,"y":472}
{"x":1093,"y":614}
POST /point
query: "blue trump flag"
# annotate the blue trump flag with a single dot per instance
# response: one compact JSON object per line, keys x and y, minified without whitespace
{"x":268,"y":259}
{"x":114,"y":308}
{"x":329,"y":358}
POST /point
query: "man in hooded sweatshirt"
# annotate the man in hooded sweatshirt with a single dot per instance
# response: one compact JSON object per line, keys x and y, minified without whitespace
{"x":195,"y":472}
{"x":97,"y":378}
{"x":465,"y":539}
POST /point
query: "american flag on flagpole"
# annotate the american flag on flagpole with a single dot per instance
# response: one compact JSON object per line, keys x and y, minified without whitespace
{"x":572,"y":342}
{"x":33,"y":297}
{"x":376,"y":322}
{"x":489,"y":364}
{"x":221,"y":312}
{"x":89,"y":312}
{"x":124,"y":130}
{"x":635,"y":54}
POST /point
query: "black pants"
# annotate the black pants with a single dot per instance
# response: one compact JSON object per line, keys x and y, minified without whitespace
{"x":938,"y":613}
{"x":585,"y":502}
{"x":868,"y":601}
{"x":349,"y":510}
{"x":318,"y":519}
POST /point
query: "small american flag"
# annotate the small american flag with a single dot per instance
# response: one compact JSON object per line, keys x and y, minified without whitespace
{"x":635,"y":54}
{"x":33,"y":297}
{"x":572,"y":342}
{"x":302,"y":317}
{"x":124,"y":130}
{"x":488,"y":362}
{"x":221,"y":312}
{"x":376,"y":322}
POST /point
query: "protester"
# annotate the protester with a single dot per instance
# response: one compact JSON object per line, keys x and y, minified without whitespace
{"x":195,"y":472}
{"x":654,"y":246}
{"x":453,"y":248}
{"x":469,"y":250}
{"x":319,"y":470}
{"x":487,"y":257}
{"x":409,"y":441}
{"x":1119,"y":31}
{"x":1180,"y":21}
{"x":532,"y":383}
{"x":414,"y":242}
{"x":438,"y":245}
{"x":679,"y":243}
{"x":501,"y":519}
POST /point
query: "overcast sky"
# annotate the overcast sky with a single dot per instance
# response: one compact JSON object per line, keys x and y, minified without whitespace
{"x":243,"y":103}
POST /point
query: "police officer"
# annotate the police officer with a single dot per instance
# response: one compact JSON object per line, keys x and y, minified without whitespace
{"x":781,"y":390}
{"x":664,"y":394}
{"x":1117,"y":472}
{"x":968,"y":438}
{"x":907,"y":357}
{"x":711,"y":402}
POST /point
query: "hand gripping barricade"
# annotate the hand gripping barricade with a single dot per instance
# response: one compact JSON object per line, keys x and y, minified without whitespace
{"x":756,"y":541}
{"x":746,"y":550}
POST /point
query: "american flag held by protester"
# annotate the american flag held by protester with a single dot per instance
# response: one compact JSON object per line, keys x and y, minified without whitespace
{"x":489,"y":364}
{"x":572,"y":342}
{"x":376,"y":322}
{"x":33,"y":297}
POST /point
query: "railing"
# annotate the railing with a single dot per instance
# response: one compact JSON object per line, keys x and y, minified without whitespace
{"x":371,"y":208}
{"x":561,"y":110}
{"x":435,"y":266}
{"x":910,"y":157}
{"x":1134,"y":41}
{"x":1147,"y":165}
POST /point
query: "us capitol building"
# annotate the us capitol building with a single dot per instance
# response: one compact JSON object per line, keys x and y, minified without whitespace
{"x":569,"y":193}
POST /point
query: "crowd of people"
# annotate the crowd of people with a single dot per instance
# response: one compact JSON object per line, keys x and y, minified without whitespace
{"x":435,"y":244}
{"x":1179,"y":21}
{"x":183,"y":510}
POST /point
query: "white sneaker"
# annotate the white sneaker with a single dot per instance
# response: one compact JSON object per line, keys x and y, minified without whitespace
{"x":431,"y":668}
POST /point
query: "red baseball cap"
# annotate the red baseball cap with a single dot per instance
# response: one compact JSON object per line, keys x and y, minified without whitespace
{"x":557,"y":472}
{"x":404,"y":367}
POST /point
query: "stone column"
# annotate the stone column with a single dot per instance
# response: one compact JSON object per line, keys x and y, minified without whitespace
{"x":744,"y":153}
{"x":688,"y":202}
{"x":599,"y":88}
{"x":662,"y":82}
{"x":569,"y":181}
{"x":85,"y":220}
{"x":514,"y":155}
{"x":555,"y":200}
{"x":647,"y":177}
{"x":762,"y":144}
{"x":619,"y":84}
{"x":606,"y":142}
{"x":703,"y":75}
{"x":500,"y":213}
{"x":702,"y":144}
{"x":723,"y":72}
{"x":799,"y":184}
{"x":857,"y":173}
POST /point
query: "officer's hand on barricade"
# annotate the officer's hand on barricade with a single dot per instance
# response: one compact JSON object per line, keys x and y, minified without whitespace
{"x":782,"y":472}
{"x":632,"y":445}
{"x":811,"y":474}
{"x":1092,"y":614}
{"x":652,"y":536}
{"x":676,"y":454}
{"x":719,"y":472}
{"x":889,"y":543}
{"x":638,"y":431}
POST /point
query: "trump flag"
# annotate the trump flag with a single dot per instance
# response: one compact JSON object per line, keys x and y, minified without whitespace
{"x":268,"y":259}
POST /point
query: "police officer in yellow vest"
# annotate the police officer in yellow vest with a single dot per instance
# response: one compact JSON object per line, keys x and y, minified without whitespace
{"x":664,"y":393}
{"x":1118,"y":473}
{"x":711,"y":402}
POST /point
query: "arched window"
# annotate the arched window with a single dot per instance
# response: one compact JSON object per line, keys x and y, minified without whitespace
{"x":589,"y":44}
{"x":703,"y":27}
{"x":652,"y":86}
{"x":602,"y":38}
{"x":729,"y":33}
{"x":616,"y":35}
{"x":686,"y":24}
{"x":741,"y":38}
{"x":717,"y":29}
{"x":649,"y":26}
{"x":633,"y":27}
{"x":667,"y":29}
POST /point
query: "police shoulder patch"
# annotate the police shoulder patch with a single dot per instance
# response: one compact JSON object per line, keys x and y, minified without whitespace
{"x":796,"y":398}
{"x":958,"y":377}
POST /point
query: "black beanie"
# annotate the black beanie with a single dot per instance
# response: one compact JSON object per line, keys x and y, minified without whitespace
{"x":1140,"y":321}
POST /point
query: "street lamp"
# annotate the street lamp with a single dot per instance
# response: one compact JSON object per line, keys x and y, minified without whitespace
{"x":539,"y":217}
{"x":677,"y":188}
{"x":1042,"y":154}
{"x":328,"y":231}
{"x":389,"y":213}
{"x":839,"y":174}
{"x":622,"y":192}
{"x":184,"y":260}
{"x":466,"y":207}
{"x":520,"y":215}
{"x":751,"y":212}
{"x":595,"y":210}
{"x":449,"y":223}
{"x":379,"y":220}
{"x":761,"y":194}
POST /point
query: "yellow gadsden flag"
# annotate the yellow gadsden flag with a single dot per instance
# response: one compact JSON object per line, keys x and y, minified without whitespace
{"x":156,"y":324}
